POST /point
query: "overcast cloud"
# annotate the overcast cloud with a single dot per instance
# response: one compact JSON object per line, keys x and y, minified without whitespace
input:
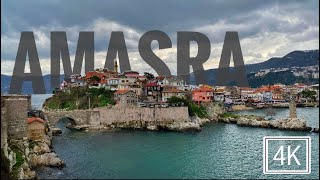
{"x":266,"y":28}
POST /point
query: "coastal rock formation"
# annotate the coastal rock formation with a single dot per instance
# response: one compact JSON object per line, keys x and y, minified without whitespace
{"x":214,"y":110}
{"x":170,"y":125}
{"x":56,"y":131}
{"x":41,"y":154}
{"x":258,"y":121}
{"x":201,"y":121}
{"x":41,"y":148}
{"x":47,"y":159}
{"x":17,"y":160}
{"x":26,"y":173}
{"x":290,"y":124}
{"x":184,"y":127}
{"x":152,"y":128}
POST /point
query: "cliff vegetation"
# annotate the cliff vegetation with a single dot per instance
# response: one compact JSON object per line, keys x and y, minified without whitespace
{"x":80,"y":98}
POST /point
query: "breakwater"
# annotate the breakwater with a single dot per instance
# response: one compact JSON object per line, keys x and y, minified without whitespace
{"x":111,"y":115}
{"x":293,"y":124}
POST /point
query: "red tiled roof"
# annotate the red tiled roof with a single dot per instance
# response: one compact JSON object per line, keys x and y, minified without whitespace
{"x":33,"y":119}
{"x":246,"y":88}
{"x":174,"y":91}
{"x":94,"y":73}
{"x":122,"y":91}
{"x":203,"y":89}
{"x":160,"y":77}
{"x":152,"y":84}
{"x":219,"y":90}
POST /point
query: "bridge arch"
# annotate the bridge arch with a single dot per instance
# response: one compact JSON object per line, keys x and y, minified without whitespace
{"x":77,"y":117}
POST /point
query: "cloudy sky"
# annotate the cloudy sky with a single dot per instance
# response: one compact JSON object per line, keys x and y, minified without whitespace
{"x":266,"y":28}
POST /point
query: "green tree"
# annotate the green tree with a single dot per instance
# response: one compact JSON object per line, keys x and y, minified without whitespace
{"x":95,"y":79}
{"x":308,"y":94}
{"x":193,"y":108}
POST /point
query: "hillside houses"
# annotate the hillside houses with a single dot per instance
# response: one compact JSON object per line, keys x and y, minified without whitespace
{"x":305,"y":72}
{"x":131,"y":87}
{"x":166,"y":94}
{"x":125,"y":97}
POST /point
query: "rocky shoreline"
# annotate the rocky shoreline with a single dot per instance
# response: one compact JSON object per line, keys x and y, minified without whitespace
{"x":187,"y":126}
{"x":195,"y":124}
{"x":293,"y":124}
{"x":216,"y":113}
{"x":24,"y":156}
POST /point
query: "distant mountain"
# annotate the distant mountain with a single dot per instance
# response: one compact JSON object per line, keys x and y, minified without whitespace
{"x":293,"y":59}
{"x":27,"y":86}
{"x":285,"y":77}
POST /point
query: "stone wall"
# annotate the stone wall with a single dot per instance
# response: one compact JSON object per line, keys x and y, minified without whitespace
{"x":99,"y":116}
{"x":18,"y":96}
{"x":17,"y":114}
{"x":177,"y":114}
{"x":14,"y":113}
{"x":4,"y":126}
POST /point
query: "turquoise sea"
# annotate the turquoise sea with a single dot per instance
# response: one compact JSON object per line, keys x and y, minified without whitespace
{"x":220,"y":151}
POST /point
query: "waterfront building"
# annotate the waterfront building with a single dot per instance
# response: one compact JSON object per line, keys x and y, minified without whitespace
{"x":219,"y":95}
{"x":203,"y":94}
{"x":278,"y":96}
{"x":246,"y":93}
{"x":300,"y":87}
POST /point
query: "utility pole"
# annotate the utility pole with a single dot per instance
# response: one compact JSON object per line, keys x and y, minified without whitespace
{"x":89,"y":95}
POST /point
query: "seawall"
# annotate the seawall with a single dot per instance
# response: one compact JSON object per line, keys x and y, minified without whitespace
{"x":105,"y":116}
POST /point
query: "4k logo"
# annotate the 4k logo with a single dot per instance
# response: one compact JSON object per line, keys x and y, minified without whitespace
{"x":287,"y":155}
{"x":290,"y":155}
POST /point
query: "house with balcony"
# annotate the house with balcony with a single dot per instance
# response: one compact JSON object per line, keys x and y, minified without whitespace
{"x":168,"y":93}
{"x":152,"y":91}
{"x":174,"y":81}
{"x":203,"y":95}
{"x":125,"y":97}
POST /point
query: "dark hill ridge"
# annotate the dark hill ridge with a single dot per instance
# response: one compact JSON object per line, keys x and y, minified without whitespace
{"x":27,"y":86}
{"x":293,"y":59}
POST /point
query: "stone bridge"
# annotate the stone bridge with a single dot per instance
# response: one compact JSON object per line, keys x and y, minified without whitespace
{"x":77,"y":116}
{"x":99,"y":116}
